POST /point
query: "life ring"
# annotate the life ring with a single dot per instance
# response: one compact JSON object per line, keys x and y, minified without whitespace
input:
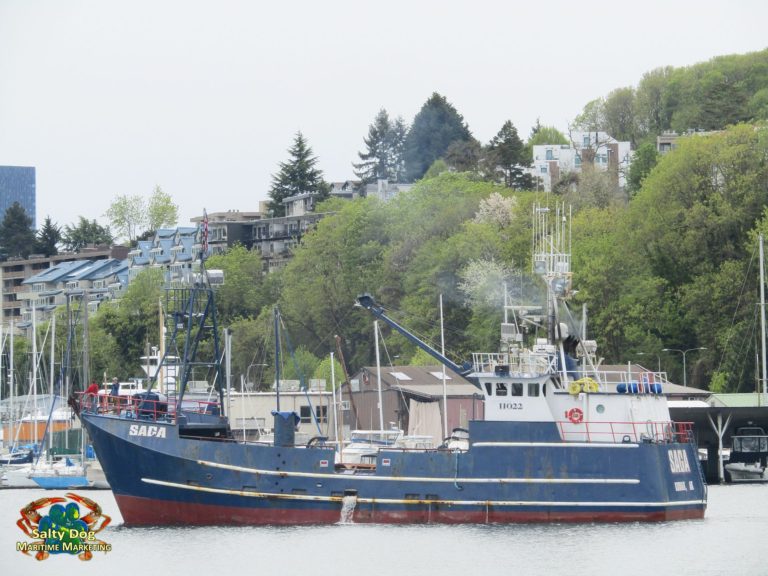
{"x":575,"y":415}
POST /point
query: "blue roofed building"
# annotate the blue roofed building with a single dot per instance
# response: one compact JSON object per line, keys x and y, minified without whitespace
{"x":99,"y":280}
{"x":174,"y":250}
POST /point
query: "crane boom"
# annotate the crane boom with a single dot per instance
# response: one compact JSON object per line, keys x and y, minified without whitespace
{"x":366,"y":301}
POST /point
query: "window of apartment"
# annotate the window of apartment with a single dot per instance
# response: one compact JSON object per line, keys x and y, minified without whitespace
{"x":550,"y":154}
{"x":577,"y":160}
{"x":585,"y":142}
{"x":543,"y":169}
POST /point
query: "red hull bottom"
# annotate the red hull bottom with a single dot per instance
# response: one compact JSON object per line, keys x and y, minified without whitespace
{"x":150,"y":512}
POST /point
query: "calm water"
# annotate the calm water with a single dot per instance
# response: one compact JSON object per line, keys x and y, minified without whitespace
{"x":730,"y":540}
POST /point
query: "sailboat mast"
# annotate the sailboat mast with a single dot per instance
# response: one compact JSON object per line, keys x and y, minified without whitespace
{"x":442,"y":351}
{"x":762,"y":312}
{"x":11,"y":380}
{"x":53,"y":352}
{"x":34,"y":373}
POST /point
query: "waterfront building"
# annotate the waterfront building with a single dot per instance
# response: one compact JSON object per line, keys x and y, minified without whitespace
{"x":14,"y":271}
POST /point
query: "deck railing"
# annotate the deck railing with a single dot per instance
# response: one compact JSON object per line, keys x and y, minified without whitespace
{"x":141,"y":407}
{"x":627,"y":432}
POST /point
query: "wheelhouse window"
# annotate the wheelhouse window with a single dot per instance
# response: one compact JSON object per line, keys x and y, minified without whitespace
{"x":533,"y":389}
{"x":516,"y":389}
{"x":750,"y":444}
{"x":489,"y":388}
{"x":501,"y":389}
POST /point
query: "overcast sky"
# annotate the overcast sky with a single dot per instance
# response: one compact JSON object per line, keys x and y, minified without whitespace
{"x":203,"y":98}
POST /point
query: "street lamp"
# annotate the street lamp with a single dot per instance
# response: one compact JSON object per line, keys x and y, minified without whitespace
{"x":683,"y":352}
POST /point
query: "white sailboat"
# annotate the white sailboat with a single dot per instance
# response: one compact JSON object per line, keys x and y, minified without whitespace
{"x":748,"y":460}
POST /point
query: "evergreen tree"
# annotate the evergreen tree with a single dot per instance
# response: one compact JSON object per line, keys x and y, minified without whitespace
{"x":85,"y":232}
{"x":297,"y":176}
{"x":376,"y":160}
{"x":383,"y":159}
{"x":434,"y":129}
{"x":508,"y":157}
{"x":16,"y":235}
{"x":48,"y":238}
{"x":397,"y":137}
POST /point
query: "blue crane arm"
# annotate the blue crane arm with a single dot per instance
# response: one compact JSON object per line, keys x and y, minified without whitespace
{"x":366,"y":301}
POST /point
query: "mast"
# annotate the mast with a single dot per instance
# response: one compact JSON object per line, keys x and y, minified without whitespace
{"x":378,"y":372}
{"x":53,"y":377}
{"x":12,"y":383}
{"x":762,"y":313}
{"x":34,"y":373}
{"x":445,"y":386}
{"x":336,"y":423}
{"x":277,"y":357}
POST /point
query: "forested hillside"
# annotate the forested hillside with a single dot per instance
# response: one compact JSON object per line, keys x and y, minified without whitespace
{"x":670,"y":264}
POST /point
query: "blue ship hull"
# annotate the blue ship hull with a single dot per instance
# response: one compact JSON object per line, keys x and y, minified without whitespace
{"x":511,"y":473}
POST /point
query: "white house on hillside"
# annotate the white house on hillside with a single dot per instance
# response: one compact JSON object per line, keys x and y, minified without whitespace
{"x":552,"y":161}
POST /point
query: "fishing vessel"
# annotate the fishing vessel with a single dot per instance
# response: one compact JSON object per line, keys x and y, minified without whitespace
{"x":561,"y":441}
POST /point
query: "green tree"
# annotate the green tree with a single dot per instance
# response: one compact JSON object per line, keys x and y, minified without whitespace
{"x":652,"y":115}
{"x":335,"y":263}
{"x":48,"y":238}
{"x":619,"y":114}
{"x":434,"y":129}
{"x":16,"y":235}
{"x":242,"y":294}
{"x":297,"y":176}
{"x":300,"y":365}
{"x":127,"y":215}
{"x":508,"y":157}
{"x":464,"y":155}
{"x":397,"y":137}
{"x":323,"y":372}
{"x":161,"y":210}
{"x":86,"y":232}
{"x":383,"y":158}
{"x":122,"y":330}
{"x":644,"y":160}
{"x":592,"y":117}
{"x":543,"y":135}
{"x":375,"y":160}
